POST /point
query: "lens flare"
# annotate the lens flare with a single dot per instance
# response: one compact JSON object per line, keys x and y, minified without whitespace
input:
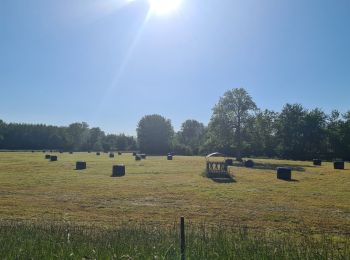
{"x":163,"y":7}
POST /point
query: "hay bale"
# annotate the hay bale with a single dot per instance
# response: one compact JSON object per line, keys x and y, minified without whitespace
{"x":284,"y":173}
{"x":249,"y":163}
{"x":53,"y":158}
{"x":80,"y":165}
{"x":317,"y":162}
{"x":118,"y":170}
{"x":137,"y":157}
{"x":111,"y":155}
{"x":339,"y":165}
{"x":47,"y":156}
{"x":169,"y":157}
{"x":229,"y":162}
{"x":98,"y":153}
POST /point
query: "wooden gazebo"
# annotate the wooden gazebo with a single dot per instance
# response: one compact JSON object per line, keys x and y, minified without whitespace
{"x":216,"y":165}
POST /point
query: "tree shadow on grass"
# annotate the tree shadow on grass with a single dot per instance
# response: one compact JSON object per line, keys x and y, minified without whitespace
{"x":291,"y":180}
{"x":221,"y":178}
{"x":273,"y":166}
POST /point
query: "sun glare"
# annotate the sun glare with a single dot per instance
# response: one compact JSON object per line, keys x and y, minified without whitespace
{"x":163,"y":7}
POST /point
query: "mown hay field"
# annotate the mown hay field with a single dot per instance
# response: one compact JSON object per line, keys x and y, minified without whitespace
{"x":158,"y":191}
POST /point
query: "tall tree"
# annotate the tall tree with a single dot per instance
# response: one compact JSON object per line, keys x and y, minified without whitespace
{"x":290,"y":129}
{"x":191,"y":135}
{"x":263,"y":133}
{"x":314,"y":134}
{"x":230,"y":117}
{"x":154,"y":134}
{"x":94,"y":139}
{"x":78,"y":133}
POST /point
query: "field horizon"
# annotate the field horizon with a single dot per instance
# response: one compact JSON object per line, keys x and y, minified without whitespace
{"x":157,"y":191}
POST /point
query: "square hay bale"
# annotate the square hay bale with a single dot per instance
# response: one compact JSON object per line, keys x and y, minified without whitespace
{"x":118,"y":170}
{"x":229,"y":162}
{"x":339,"y":165}
{"x":80,"y":165}
{"x":317,"y":162}
{"x":249,"y":163}
{"x":53,"y":158}
{"x":284,"y":173}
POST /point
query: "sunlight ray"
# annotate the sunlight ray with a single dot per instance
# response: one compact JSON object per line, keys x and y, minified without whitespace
{"x":120,"y":71}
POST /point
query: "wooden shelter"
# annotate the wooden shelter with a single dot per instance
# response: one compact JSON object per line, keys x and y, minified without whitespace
{"x":216,"y":165}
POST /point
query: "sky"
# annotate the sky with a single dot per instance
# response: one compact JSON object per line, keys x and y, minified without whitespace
{"x":110,"y":62}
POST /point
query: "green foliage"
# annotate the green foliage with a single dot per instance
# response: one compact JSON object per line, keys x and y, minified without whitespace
{"x":154,"y":134}
{"x":150,"y":242}
{"x":236,"y":128}
{"x":189,"y":138}
{"x":77,"y":136}
{"x":262,"y":132}
{"x":230,"y":118}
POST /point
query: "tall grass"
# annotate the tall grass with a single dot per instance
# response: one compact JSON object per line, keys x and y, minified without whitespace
{"x":29,"y":241}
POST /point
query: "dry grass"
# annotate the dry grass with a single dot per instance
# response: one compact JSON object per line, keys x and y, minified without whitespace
{"x":159,"y":191}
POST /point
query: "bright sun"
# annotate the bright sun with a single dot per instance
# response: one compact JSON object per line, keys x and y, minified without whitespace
{"x":162,"y":7}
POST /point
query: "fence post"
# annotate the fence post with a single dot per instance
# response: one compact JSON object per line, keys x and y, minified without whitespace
{"x":182,"y":238}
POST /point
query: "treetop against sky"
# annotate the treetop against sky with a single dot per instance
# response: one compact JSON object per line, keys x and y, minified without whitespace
{"x":111,"y":62}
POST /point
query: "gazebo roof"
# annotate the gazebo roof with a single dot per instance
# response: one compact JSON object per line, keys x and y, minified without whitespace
{"x":216,"y":154}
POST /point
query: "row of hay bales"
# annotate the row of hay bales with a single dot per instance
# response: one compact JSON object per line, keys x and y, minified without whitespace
{"x":117,"y":170}
{"x":71,"y":152}
{"x":285,"y":173}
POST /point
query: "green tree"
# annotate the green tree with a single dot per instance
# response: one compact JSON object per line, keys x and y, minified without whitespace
{"x":263,"y":133}
{"x":290,"y":131}
{"x":2,"y":132}
{"x":78,"y":135}
{"x":191,"y":135}
{"x":229,"y":120}
{"x":314,"y":135}
{"x":154,"y":134}
{"x":94,"y":139}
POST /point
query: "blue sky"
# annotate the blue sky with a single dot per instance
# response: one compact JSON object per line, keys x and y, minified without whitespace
{"x":109,"y":63}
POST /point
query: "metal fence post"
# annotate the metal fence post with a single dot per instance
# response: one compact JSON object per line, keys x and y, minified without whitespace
{"x":182,"y":238}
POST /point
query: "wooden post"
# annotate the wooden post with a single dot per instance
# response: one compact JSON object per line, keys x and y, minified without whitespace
{"x":182,"y":238}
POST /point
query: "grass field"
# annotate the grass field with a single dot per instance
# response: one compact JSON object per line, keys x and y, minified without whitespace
{"x":156,"y":192}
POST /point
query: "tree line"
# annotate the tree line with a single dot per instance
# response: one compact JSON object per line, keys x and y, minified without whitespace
{"x":75,"y":137}
{"x":237,"y":127}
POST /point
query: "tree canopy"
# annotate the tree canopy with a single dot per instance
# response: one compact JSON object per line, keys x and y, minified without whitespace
{"x":154,"y":134}
{"x":237,"y":127}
